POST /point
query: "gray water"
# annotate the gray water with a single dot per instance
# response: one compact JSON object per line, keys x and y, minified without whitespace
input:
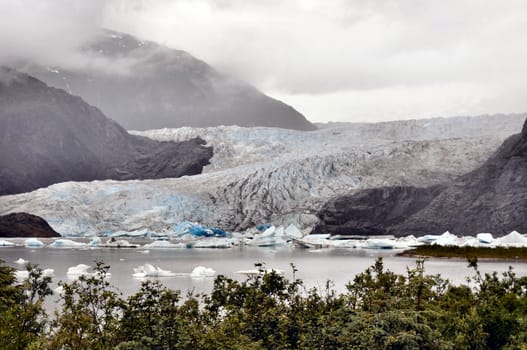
{"x":315,"y":266}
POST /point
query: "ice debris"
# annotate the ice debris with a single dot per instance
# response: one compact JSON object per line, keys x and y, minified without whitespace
{"x":4,"y":243}
{"x":33,"y":243}
{"x":20,"y":261}
{"x":202,"y":271}
{"x":66,"y":243}
{"x":149,"y":270}
{"x":196,"y":230}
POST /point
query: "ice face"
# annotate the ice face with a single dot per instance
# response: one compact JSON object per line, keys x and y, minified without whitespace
{"x":264,"y":175}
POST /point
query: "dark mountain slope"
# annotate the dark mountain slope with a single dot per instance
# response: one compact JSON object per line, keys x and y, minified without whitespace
{"x":144,"y":85}
{"x":49,"y":136}
{"x":25,"y":225}
{"x":492,"y":198}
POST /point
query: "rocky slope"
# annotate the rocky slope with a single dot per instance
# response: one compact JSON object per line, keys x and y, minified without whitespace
{"x":285,"y":177}
{"x":25,"y":225}
{"x":492,"y":198}
{"x":144,"y":85}
{"x":49,"y":136}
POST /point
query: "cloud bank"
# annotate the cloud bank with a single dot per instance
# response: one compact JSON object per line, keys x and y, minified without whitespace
{"x":333,"y":60}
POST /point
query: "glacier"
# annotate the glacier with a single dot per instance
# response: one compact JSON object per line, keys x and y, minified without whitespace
{"x":268,"y":175}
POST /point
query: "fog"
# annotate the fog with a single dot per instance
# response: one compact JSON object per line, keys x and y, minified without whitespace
{"x":334,"y":60}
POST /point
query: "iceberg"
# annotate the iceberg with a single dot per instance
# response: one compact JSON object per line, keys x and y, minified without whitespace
{"x":379,"y":243}
{"x":149,"y":270}
{"x":216,"y":243}
{"x":448,"y":239}
{"x":196,"y":230}
{"x":513,"y":239}
{"x":66,"y":243}
{"x":78,"y":270}
{"x":21,"y":275}
{"x":4,"y":243}
{"x":202,"y":271}
{"x":164,"y":245}
{"x":486,"y":238}
{"x":117,"y":243}
{"x":95,"y":241}
{"x":33,"y":243}
{"x":20,"y":261}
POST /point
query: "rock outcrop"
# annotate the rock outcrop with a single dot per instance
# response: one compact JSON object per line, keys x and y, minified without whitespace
{"x":492,"y":198}
{"x":144,"y":85}
{"x":49,"y":136}
{"x":25,"y":225}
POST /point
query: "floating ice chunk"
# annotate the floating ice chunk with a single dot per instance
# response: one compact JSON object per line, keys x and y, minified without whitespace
{"x":344,"y":243}
{"x":20,"y":261}
{"x":202,"y":271}
{"x":315,"y":241}
{"x":269,"y":241}
{"x":379,"y":243}
{"x":66,"y":243}
{"x":513,"y":239}
{"x":117,"y":243}
{"x":78,"y":270}
{"x":407,"y":242}
{"x":48,"y":273}
{"x":146,"y":251}
{"x":21,"y":275}
{"x":216,"y":243}
{"x":448,"y":239}
{"x":4,"y":243}
{"x":164,"y":244}
{"x":485,"y":238}
{"x":95,"y":241}
{"x":149,"y":270}
{"x":197,"y":230}
{"x":293,"y":232}
{"x":33,"y":243}
{"x":269,"y":232}
{"x":428,"y":238}
{"x":135,"y":233}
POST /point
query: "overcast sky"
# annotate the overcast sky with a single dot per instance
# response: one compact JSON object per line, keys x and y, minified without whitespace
{"x":340,"y":60}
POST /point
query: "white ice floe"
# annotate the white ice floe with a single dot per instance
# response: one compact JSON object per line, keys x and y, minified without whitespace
{"x":216,"y":243}
{"x":379,"y":243}
{"x":21,"y":275}
{"x":448,"y":239}
{"x":20,"y":261}
{"x":67,"y":243}
{"x":33,"y":243}
{"x":513,"y":239}
{"x":485,"y":238}
{"x":117,"y":243}
{"x":4,"y":243}
{"x":149,"y":270}
{"x":74,"y":272}
{"x":202,"y":271}
{"x":95,"y":241}
{"x":78,"y":270}
{"x":164,"y":245}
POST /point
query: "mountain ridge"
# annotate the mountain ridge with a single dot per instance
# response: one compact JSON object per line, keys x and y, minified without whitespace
{"x":144,"y":85}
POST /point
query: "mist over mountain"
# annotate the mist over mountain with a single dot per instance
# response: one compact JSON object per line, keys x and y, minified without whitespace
{"x":492,"y":198}
{"x":144,"y":85}
{"x":49,"y":136}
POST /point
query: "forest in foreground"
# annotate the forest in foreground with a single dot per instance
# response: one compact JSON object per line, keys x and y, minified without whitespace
{"x":379,"y":310}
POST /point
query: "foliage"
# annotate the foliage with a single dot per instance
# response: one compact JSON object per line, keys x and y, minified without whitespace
{"x":379,"y":310}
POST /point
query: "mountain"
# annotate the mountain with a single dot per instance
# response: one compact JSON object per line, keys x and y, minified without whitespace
{"x":49,"y":136}
{"x":492,"y":198}
{"x":25,"y":225}
{"x":261,"y":175}
{"x":144,"y":85}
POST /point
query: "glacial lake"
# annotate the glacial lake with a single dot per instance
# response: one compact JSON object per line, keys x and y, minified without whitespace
{"x":315,"y":267}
